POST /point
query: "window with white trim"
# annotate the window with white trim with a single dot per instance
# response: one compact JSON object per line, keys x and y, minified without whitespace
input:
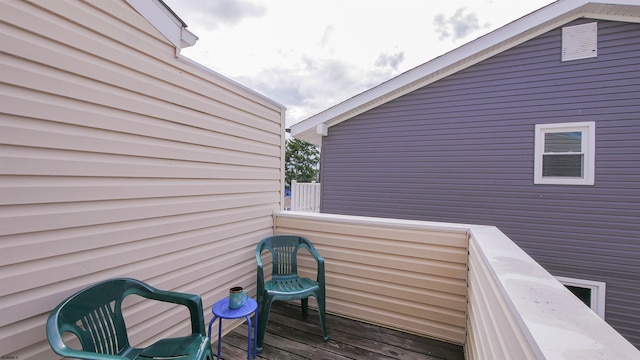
{"x":592,"y":293}
{"x":565,"y":153}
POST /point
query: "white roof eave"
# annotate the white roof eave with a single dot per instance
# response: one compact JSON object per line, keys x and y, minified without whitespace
{"x":158,"y":14}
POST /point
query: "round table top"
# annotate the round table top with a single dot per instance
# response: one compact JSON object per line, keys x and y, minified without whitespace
{"x":221,"y":309}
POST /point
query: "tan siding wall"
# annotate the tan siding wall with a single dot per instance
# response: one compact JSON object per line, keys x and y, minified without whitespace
{"x":119,"y":159}
{"x":400,"y":274}
{"x":493,"y":331}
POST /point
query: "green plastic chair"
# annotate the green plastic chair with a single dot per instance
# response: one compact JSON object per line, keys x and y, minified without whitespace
{"x":94,"y":316}
{"x":285,"y":284}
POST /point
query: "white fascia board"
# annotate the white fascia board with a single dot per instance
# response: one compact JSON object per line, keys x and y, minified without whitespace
{"x":499,"y":40}
{"x":163,"y":19}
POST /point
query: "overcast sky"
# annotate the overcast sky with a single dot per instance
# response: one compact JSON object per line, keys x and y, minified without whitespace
{"x":312,"y":54}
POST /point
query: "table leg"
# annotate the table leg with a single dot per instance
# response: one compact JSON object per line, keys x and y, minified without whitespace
{"x":219,"y":337}
{"x":248,"y":317}
{"x":255,"y":334}
{"x":213,"y":319}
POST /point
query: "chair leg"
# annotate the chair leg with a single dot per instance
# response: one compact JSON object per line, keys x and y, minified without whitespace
{"x":305,"y":306}
{"x":321,"y":312}
{"x":263,"y":318}
{"x":209,"y":352}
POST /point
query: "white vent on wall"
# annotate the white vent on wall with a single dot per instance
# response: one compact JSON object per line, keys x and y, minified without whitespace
{"x":580,"y":41}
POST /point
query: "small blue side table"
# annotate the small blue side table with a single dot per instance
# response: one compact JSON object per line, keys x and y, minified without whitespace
{"x":221,"y":310}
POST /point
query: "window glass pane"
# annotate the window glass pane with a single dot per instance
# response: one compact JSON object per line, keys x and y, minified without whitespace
{"x":562,"y":165}
{"x":583,"y":294}
{"x":563,"y":141}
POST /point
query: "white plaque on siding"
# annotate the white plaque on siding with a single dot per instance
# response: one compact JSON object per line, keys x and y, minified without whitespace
{"x":580,"y":41}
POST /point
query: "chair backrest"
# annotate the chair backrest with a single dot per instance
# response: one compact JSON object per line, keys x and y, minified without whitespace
{"x":94,"y":315}
{"x":284,"y":252}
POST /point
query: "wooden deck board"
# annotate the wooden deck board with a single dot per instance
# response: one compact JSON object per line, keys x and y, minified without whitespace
{"x":292,"y":337}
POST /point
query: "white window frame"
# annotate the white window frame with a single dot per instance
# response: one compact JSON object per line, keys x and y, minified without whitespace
{"x":598,"y":291}
{"x":588,"y":130}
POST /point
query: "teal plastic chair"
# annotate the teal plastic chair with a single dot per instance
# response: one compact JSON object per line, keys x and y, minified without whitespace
{"x":94,"y":316}
{"x":285,"y":284}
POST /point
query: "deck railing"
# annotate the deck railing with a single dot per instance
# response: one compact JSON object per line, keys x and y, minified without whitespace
{"x":305,"y":196}
{"x":466,"y":284}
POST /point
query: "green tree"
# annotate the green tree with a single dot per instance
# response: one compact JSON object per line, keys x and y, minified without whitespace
{"x":301,"y":161}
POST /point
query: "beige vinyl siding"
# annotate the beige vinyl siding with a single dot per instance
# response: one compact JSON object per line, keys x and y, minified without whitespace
{"x":400,"y":274}
{"x":493,"y":329}
{"x":119,"y":159}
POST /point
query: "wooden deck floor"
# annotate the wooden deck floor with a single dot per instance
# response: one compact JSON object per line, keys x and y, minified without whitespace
{"x":291,"y":337}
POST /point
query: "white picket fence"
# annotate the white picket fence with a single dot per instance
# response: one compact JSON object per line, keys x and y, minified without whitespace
{"x":305,"y":196}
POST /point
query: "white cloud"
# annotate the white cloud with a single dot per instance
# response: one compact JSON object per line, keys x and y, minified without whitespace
{"x":311,"y":54}
{"x":392,"y":60}
{"x":458,"y":26}
{"x":316,"y":83}
{"x":212,"y":14}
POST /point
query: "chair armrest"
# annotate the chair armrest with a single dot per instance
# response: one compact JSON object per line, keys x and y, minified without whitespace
{"x":260,"y":275}
{"x":191,"y":301}
{"x":319,"y":260}
{"x":320,"y":275}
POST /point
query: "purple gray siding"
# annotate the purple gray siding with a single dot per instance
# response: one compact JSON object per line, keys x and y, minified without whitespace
{"x":462,"y":150}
